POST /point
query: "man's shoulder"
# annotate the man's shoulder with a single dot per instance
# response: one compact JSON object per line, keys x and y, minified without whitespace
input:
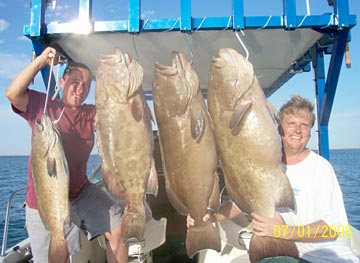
{"x":316,"y":156}
{"x":88,"y":110}
{"x":87,"y":107}
{"x":321,"y":163}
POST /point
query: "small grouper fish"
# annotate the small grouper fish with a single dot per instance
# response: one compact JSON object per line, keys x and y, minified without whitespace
{"x":51,"y":180}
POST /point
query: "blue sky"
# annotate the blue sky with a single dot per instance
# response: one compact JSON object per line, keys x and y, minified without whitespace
{"x":15,"y":54}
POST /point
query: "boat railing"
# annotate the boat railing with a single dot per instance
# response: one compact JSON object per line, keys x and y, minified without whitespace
{"x":7,"y":219}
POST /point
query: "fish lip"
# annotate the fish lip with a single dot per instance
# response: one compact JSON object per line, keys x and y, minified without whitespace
{"x":118,"y":57}
{"x":178,"y":66}
{"x":177,"y":60}
{"x":39,"y":124}
{"x":125,"y":59}
{"x":227,"y":52}
{"x":219,"y":61}
{"x":164,"y":70}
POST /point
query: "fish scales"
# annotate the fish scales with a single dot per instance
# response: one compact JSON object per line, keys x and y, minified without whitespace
{"x":51,"y":180}
{"x":125,"y":140}
{"x":188,"y":149}
{"x":249,"y":146}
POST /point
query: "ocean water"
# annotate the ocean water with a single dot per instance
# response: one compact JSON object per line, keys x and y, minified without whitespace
{"x":346,"y":164}
{"x":13,"y":177}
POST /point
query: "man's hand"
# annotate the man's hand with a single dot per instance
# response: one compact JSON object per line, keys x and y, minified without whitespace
{"x":228,"y":211}
{"x":191,"y":221}
{"x":263,"y":226}
{"x":48,"y":55}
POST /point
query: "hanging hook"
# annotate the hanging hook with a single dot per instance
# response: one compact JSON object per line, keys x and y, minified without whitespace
{"x":189,"y":47}
{"x":134,"y":46}
{"x":242,"y":43}
{"x":53,"y":4}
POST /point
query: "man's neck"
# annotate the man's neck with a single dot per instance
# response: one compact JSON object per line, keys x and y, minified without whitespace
{"x":292,"y":158}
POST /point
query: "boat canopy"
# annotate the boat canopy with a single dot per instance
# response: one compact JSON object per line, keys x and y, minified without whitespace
{"x":279,"y":46}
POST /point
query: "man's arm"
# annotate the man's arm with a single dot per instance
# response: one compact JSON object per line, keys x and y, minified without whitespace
{"x":228,"y":211}
{"x":275,"y":227}
{"x":17,"y":90}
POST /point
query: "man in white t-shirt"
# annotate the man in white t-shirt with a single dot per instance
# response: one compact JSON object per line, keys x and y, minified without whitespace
{"x":319,"y":223}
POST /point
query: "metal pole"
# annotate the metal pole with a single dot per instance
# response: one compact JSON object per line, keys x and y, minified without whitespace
{"x":307,"y":7}
{"x":7,"y":217}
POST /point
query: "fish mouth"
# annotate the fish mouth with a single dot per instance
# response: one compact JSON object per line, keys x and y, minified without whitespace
{"x":227,"y":54}
{"x":178,"y":67}
{"x":118,"y":57}
{"x":178,"y":60}
{"x":166,"y":71}
{"x":39,"y":125}
{"x":124,"y":58}
{"x":220,"y":61}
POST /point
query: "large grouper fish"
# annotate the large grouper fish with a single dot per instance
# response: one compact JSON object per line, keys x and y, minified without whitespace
{"x":249,"y":146}
{"x":188,"y":149}
{"x":51,"y":181}
{"x":125,"y":138}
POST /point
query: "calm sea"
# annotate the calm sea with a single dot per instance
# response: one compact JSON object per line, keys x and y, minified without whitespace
{"x":13,"y":177}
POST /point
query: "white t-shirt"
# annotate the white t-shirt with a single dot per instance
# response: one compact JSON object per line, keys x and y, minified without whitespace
{"x":318,"y":196}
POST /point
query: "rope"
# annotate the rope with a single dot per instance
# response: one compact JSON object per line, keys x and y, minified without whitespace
{"x":51,"y":55}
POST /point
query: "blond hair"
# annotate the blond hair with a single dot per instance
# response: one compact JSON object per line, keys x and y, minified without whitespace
{"x":297,"y":105}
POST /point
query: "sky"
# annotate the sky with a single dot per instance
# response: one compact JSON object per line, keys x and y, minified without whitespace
{"x":15,"y":54}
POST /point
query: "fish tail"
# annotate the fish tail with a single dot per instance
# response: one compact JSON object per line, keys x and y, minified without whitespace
{"x":58,"y":250}
{"x":266,"y":247}
{"x":133,"y":223}
{"x":198,"y":238}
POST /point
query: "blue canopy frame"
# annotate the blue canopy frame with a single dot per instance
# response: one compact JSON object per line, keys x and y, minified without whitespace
{"x":334,"y":26}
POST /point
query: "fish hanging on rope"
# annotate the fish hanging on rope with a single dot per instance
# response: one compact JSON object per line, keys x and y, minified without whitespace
{"x":188,"y":149}
{"x":249,"y":146}
{"x":125,"y":138}
{"x":51,"y":180}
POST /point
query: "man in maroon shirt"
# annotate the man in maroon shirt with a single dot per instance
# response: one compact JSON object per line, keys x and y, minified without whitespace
{"x":92,"y":210}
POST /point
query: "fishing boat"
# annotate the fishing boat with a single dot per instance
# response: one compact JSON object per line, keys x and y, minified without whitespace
{"x":279,"y":47}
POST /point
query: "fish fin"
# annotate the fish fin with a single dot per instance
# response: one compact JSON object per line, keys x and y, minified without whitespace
{"x":273,"y":112}
{"x":51,"y":167}
{"x":133,"y":222}
{"x":240,"y":111}
{"x":267,"y":247}
{"x":197,"y":123}
{"x":58,"y":250}
{"x":205,"y":237}
{"x":137,"y":109}
{"x":179,"y":206}
{"x":284,"y":196}
{"x":214,"y":200}
{"x":153,"y":184}
{"x":286,"y":201}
